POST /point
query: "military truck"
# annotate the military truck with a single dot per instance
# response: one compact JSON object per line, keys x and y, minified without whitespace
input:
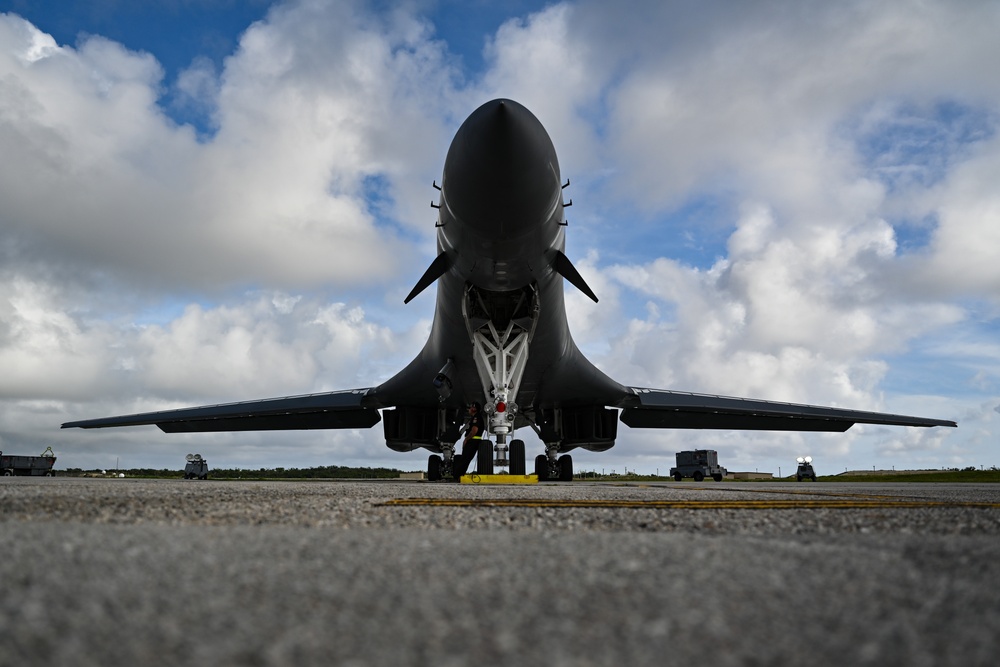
{"x":38,"y":466}
{"x":699,"y":464}
{"x":196,"y":468}
{"x":805,"y":469}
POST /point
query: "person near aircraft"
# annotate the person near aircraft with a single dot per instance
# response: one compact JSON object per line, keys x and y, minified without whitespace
{"x":473,"y":434}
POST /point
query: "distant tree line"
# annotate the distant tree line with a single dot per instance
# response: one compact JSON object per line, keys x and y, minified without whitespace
{"x":344,"y":472}
{"x":321,"y":472}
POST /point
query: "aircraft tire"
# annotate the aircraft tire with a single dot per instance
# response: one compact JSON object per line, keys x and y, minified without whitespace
{"x":517,"y":465}
{"x":542,"y":467}
{"x":484,"y":458}
{"x":458,"y":467}
{"x":566,"y":468}
{"x":433,"y":468}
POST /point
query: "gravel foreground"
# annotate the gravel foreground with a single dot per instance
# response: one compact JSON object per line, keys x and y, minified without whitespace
{"x":124,"y":572}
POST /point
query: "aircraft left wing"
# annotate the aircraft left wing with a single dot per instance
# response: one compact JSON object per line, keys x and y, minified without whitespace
{"x":339,"y":409}
{"x":658,"y":408}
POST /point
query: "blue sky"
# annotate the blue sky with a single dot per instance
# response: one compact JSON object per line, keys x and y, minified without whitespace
{"x":214,"y":201}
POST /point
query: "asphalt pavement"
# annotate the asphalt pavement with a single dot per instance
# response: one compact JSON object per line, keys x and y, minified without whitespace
{"x":161,"y":572}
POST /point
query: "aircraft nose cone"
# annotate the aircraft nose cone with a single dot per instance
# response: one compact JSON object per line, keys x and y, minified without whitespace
{"x":501,"y":175}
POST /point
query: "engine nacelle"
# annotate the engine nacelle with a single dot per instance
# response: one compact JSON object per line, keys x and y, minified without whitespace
{"x":592,"y":427}
{"x":407,"y":429}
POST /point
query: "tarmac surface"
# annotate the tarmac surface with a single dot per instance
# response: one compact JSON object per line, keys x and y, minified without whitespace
{"x":162,"y":572}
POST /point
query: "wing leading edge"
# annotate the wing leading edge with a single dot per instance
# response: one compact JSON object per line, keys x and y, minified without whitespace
{"x":657,"y":408}
{"x":339,"y":409}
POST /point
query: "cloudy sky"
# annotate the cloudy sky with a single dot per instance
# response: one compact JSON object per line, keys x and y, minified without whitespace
{"x":205,"y":201}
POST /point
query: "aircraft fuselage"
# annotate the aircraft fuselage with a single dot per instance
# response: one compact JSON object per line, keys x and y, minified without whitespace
{"x":501,"y":232}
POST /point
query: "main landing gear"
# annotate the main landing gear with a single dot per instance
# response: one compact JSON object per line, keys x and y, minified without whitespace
{"x":550,"y":468}
{"x":446,"y":466}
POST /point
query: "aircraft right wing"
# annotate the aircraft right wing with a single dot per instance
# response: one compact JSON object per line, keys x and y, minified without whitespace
{"x":658,"y":408}
{"x":338,"y":409}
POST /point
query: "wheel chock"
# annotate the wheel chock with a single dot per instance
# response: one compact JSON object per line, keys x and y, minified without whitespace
{"x":498,"y":479}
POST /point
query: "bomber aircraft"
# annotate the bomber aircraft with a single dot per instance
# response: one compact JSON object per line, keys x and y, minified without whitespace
{"x":500,"y":337}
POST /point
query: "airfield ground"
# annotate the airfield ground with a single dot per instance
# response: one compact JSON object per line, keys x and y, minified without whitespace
{"x":125,"y":571}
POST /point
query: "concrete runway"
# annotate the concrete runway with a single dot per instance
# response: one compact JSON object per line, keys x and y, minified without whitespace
{"x":124,"y":572}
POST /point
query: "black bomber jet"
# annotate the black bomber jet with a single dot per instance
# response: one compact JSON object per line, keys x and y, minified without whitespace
{"x":500,"y":336}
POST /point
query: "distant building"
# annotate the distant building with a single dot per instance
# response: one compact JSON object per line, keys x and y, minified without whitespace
{"x":750,"y":475}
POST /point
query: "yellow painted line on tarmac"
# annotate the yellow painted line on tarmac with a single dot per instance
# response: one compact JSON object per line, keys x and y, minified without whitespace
{"x":777,"y":503}
{"x":811,"y":493}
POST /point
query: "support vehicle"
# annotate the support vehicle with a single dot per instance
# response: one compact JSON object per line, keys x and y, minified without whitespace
{"x":39,"y":466}
{"x":699,"y":464}
{"x":805,"y":469}
{"x":196,"y":468}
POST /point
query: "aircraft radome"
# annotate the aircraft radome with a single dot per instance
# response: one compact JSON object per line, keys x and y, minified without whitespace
{"x":500,"y":336}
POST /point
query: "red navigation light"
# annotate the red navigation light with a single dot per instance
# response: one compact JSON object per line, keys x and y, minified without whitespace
{"x":501,"y":406}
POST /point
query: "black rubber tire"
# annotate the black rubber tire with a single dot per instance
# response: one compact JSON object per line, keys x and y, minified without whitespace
{"x":516,"y":454}
{"x":678,"y":477}
{"x":484,"y":458}
{"x":566,"y":468}
{"x":542,"y":467}
{"x":717,"y":477}
{"x":433,"y":468}
{"x":699,"y":476}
